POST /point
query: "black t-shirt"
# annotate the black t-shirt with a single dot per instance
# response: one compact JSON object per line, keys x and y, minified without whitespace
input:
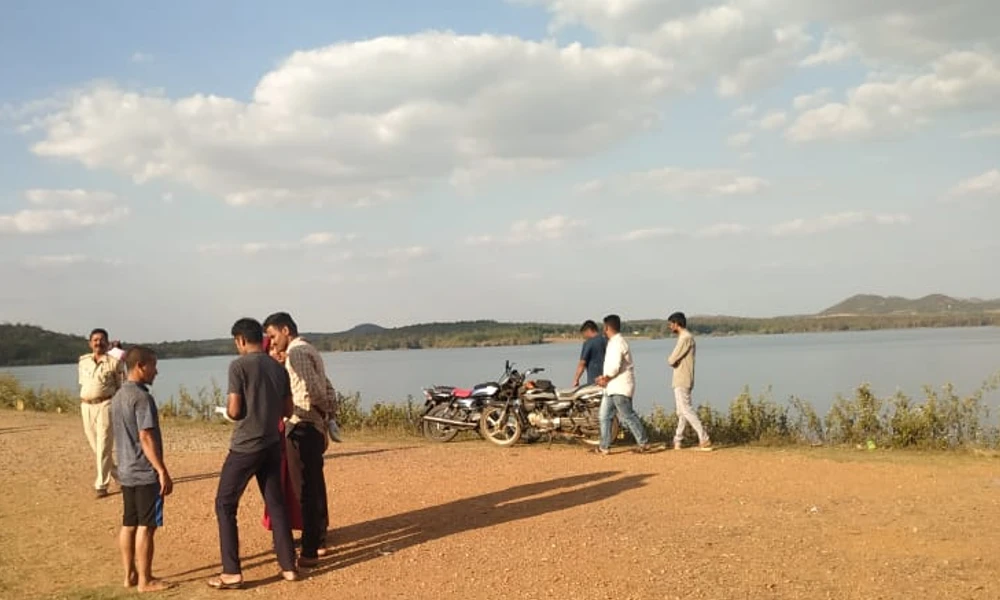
{"x":263,"y":384}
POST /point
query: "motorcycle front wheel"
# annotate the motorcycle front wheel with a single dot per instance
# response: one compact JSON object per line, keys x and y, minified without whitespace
{"x":499,"y":430}
{"x":439,"y":432}
{"x":595,"y":438}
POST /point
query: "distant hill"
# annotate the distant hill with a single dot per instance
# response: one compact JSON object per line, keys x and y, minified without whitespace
{"x":31,"y":345}
{"x":365,"y":329}
{"x":870,"y":304}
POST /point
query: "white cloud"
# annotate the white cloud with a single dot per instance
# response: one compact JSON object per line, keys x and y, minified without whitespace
{"x":806,"y":101}
{"x":141,"y":57}
{"x":984,"y":132}
{"x":721,"y":230}
{"x":63,"y":210}
{"x":772,"y":120}
{"x":831,"y":51}
{"x":551,"y":228}
{"x":309,"y":241}
{"x":673,"y":181}
{"x":638,"y":235}
{"x":68,"y":260}
{"x":739,"y":140}
{"x":740,"y":44}
{"x":831,"y":222}
{"x":957,"y":81}
{"x":987,"y":184}
{"x":368,"y":121}
{"x":745,"y":111}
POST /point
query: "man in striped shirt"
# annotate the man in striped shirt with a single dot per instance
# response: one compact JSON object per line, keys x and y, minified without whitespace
{"x":306,"y":428}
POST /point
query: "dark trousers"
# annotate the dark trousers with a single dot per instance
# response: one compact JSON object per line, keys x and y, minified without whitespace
{"x":309,"y":442}
{"x":237,"y":471}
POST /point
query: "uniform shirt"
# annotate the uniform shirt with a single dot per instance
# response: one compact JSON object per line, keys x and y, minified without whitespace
{"x":99,"y":378}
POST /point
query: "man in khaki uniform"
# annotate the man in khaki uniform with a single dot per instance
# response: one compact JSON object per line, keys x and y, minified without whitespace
{"x":100,"y":377}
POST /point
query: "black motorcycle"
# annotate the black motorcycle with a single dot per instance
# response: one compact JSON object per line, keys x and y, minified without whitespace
{"x":540,"y":408}
{"x":450,"y":410}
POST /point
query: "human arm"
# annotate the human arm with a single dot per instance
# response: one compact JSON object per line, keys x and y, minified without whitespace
{"x":149,"y":448}
{"x":680,"y":350}
{"x":234,"y":400}
{"x":585,"y":355}
{"x":613,"y":360}
{"x":148,"y":425}
{"x":580,"y":368}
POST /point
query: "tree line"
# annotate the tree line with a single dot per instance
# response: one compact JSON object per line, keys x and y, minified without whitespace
{"x":22,"y":344}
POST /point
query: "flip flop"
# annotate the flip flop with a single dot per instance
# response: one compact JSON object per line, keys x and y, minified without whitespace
{"x":219,"y":584}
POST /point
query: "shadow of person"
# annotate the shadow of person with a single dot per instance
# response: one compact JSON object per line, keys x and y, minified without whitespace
{"x":369,"y":540}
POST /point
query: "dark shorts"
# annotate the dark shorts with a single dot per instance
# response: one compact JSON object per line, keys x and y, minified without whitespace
{"x":143,"y":506}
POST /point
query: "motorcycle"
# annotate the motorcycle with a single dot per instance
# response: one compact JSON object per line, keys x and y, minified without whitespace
{"x":449,"y":410}
{"x":540,"y":408}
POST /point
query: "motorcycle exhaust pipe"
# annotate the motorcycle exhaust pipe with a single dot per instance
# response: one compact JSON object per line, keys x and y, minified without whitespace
{"x":458,"y":424}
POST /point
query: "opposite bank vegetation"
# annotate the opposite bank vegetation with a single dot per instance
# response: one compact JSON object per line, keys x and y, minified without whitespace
{"x":941,"y":419}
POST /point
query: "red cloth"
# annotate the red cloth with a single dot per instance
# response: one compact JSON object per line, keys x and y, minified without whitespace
{"x":292,"y":506}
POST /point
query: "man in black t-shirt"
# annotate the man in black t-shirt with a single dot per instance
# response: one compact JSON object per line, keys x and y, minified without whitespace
{"x":592,"y":353}
{"x":260,"y":395}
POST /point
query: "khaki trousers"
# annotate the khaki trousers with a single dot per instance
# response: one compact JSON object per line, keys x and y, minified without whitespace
{"x":97,"y":428}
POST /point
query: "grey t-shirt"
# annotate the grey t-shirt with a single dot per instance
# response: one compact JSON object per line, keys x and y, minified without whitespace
{"x":133,"y":409}
{"x":263,"y":384}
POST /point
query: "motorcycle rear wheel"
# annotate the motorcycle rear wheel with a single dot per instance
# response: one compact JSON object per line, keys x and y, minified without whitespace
{"x":439,"y":432}
{"x":501,"y":434}
{"x":593,"y":440}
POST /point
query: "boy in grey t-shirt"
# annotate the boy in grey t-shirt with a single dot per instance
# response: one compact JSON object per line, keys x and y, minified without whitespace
{"x":141,"y":470}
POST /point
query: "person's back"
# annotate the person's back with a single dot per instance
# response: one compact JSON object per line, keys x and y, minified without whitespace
{"x":263,"y":384}
{"x":593,"y":353}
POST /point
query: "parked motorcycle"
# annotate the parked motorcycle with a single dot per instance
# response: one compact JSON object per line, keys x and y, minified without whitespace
{"x":540,"y":408}
{"x":450,"y":410}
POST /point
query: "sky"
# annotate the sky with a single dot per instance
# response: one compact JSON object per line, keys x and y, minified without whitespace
{"x":165,"y":170}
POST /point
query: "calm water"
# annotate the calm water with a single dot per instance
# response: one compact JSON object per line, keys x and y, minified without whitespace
{"x":812,"y":366}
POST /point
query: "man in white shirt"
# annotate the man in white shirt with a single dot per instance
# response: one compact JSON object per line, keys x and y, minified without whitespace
{"x":682,"y":360}
{"x":618,"y":382}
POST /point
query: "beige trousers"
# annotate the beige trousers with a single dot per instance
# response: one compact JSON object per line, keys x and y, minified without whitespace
{"x":687,"y":415}
{"x":97,"y":427}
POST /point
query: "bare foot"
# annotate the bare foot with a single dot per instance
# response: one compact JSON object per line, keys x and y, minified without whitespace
{"x":155,"y":585}
{"x":132,"y":579}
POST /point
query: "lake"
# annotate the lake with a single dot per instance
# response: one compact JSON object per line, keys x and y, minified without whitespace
{"x":815,"y":367}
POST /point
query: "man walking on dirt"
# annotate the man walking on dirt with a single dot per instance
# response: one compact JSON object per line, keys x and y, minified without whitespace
{"x":306,"y":429}
{"x":143,"y":475}
{"x":682,"y":361}
{"x":100,"y":376}
{"x":259,"y":396}
{"x":619,"y":383}
{"x":591,"y":355}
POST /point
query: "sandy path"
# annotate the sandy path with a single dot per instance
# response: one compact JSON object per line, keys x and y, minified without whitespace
{"x":413,"y":520}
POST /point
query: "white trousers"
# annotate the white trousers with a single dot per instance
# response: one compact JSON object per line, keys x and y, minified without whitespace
{"x":685,"y":415}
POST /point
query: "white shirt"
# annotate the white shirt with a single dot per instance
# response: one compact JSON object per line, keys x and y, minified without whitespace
{"x":618,"y":367}
{"x":117,"y":353}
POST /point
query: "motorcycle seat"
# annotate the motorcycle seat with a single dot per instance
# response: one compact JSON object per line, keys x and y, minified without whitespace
{"x":573,"y":393}
{"x":461,"y":392}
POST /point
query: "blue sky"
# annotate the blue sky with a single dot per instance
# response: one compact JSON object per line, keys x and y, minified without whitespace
{"x":164,"y":172}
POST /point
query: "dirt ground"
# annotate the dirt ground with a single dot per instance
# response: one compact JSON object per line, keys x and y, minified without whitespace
{"x":469,"y":520}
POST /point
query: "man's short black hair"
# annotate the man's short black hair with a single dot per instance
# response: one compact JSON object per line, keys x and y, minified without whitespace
{"x":139,"y":355}
{"x":99,"y":330}
{"x":248,"y":329}
{"x":613,"y":322}
{"x":678,"y":318}
{"x":589,"y":325}
{"x":282,"y":319}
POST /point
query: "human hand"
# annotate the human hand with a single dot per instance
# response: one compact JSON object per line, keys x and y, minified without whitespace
{"x":166,"y":483}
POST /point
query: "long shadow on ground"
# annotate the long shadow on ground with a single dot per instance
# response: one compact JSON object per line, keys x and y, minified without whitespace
{"x":362,"y":542}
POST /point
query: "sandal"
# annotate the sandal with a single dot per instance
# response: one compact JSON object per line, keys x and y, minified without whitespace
{"x":220,"y":584}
